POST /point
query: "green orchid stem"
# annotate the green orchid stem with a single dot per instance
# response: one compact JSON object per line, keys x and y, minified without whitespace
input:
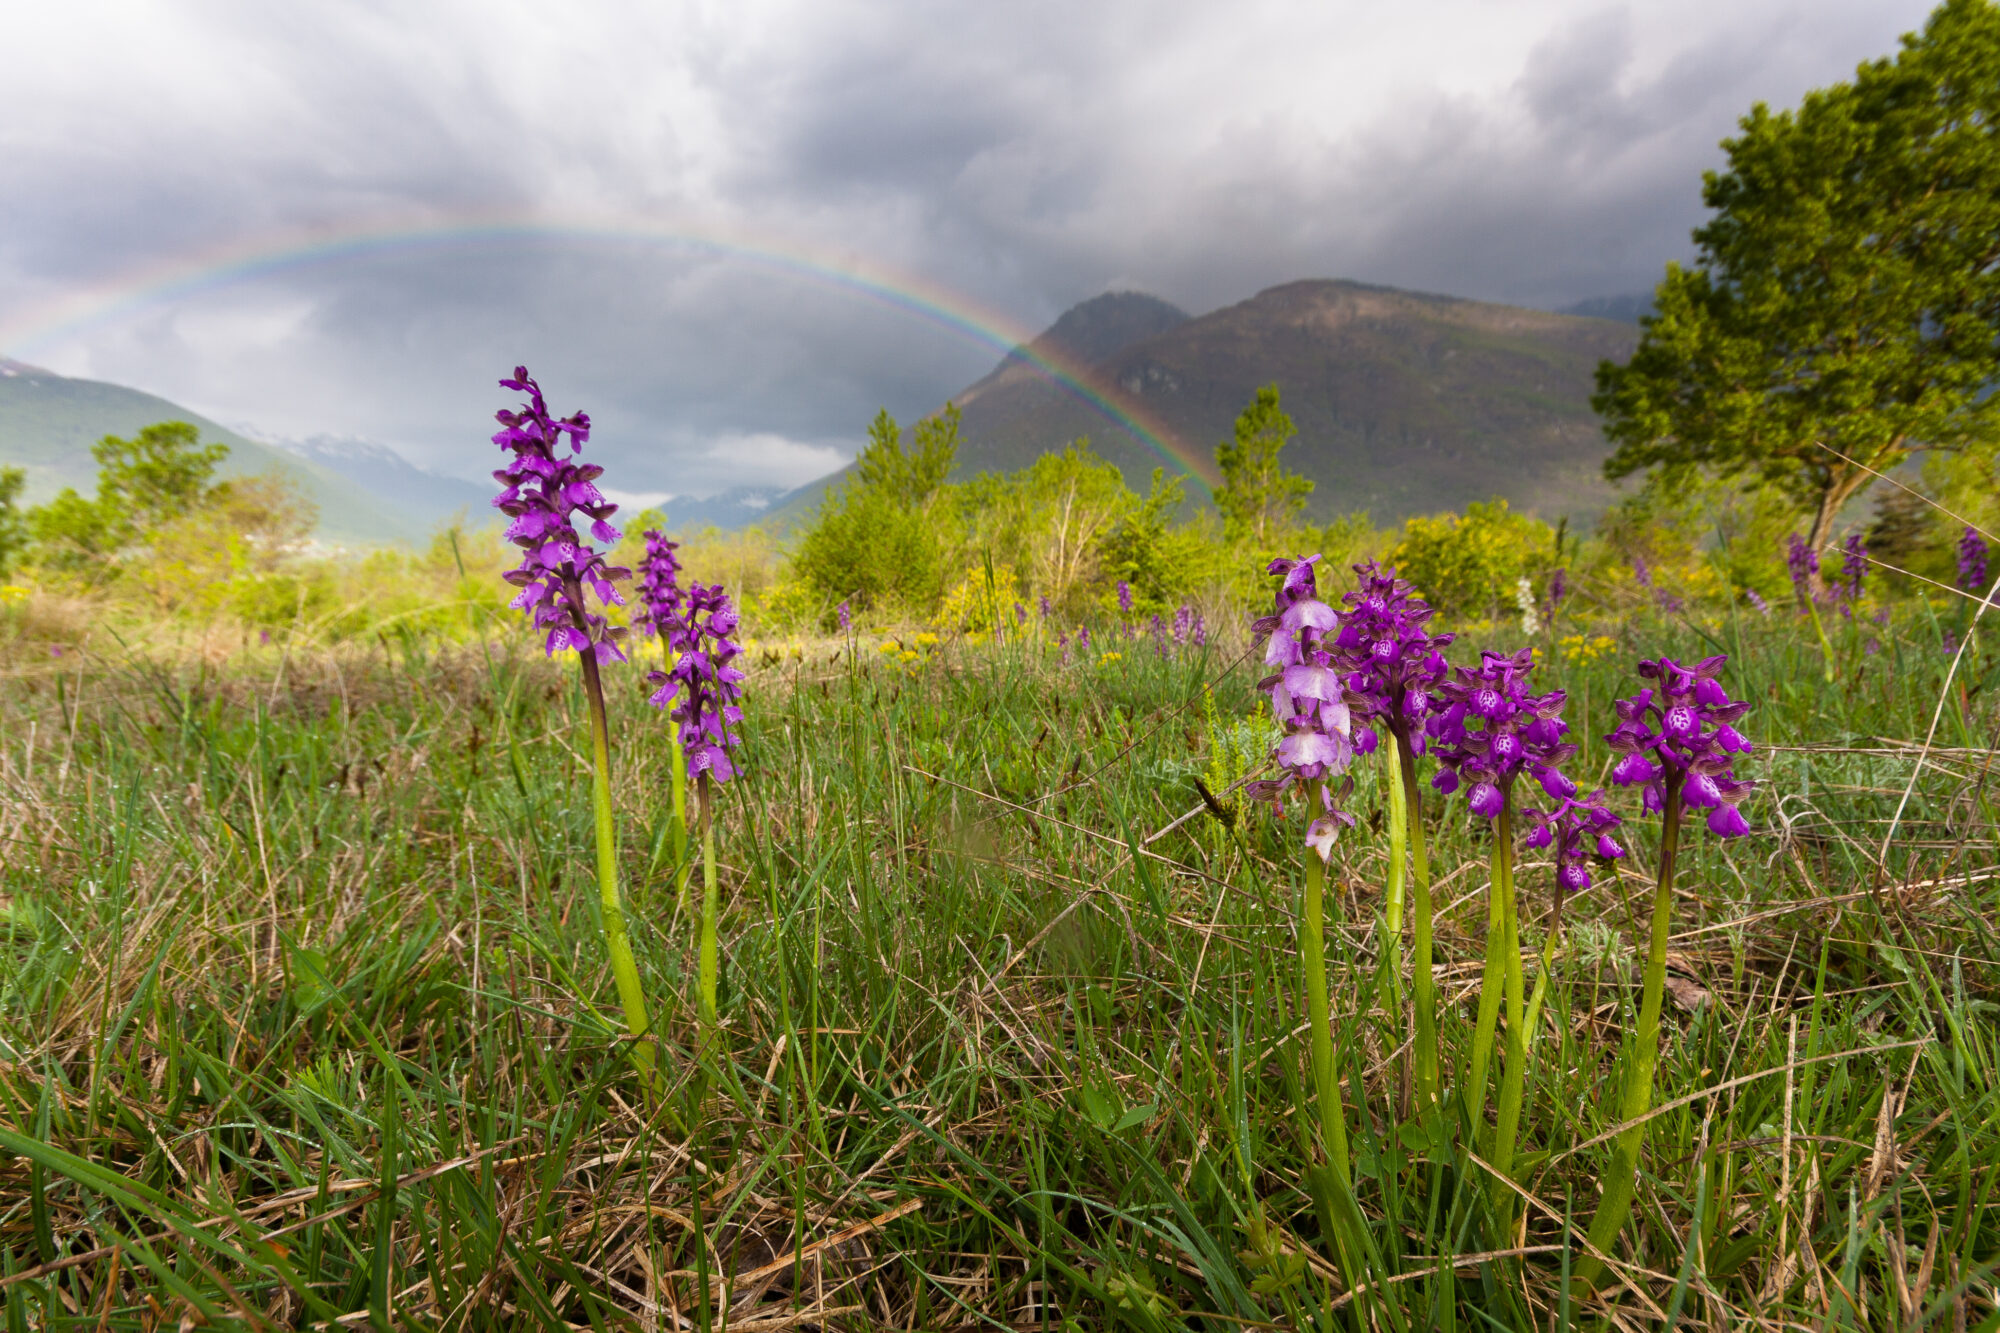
{"x":1643,"y":1058}
{"x":1500,"y":977}
{"x":1825,"y":644}
{"x":1326,"y":1075}
{"x":624,"y":969}
{"x":709,"y":957}
{"x":1390,"y":983}
{"x":1520,"y":1026}
{"x":1423,"y":987}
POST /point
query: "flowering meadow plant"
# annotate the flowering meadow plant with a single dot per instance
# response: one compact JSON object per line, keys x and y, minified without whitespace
{"x":1678,"y":741}
{"x":1315,"y":746}
{"x":1392,"y":665}
{"x":1802,"y":562}
{"x":701,"y":689}
{"x":544,"y":491}
{"x":700,"y":692}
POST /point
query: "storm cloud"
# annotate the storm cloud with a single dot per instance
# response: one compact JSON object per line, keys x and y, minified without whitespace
{"x":653,"y":205}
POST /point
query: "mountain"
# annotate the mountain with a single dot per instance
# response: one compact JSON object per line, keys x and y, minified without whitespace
{"x":1099,"y":328}
{"x":385,"y":474}
{"x":48,"y":423}
{"x":737,"y":507}
{"x":1405,"y":402}
{"x":1627,"y":308}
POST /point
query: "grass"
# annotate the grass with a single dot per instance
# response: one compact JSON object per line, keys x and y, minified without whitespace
{"x":305,"y":1017}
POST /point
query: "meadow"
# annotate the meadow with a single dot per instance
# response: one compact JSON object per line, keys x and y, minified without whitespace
{"x":306,"y":1017}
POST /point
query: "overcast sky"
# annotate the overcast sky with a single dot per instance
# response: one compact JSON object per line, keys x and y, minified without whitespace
{"x":160,"y":160}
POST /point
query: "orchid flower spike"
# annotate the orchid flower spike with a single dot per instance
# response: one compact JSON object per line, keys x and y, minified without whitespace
{"x":1491,"y":729}
{"x":1682,"y":737}
{"x":1308,"y":701}
{"x":544,"y":490}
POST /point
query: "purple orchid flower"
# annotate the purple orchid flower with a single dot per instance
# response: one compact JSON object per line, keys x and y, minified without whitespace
{"x":1579,"y":828}
{"x":1308,"y":700}
{"x":1971,"y":560}
{"x":1393,"y":664}
{"x":702,"y":688}
{"x":544,"y":491}
{"x":1803,"y":562}
{"x":1853,"y":567}
{"x":1679,"y":739}
{"x":846,"y":617}
{"x":1124,"y":598}
{"x":1515,"y":732}
{"x":1757,"y":602}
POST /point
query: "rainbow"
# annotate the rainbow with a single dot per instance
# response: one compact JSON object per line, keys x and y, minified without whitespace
{"x":908,"y":294}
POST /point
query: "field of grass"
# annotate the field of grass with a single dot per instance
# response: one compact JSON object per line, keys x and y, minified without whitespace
{"x":306,"y":1018}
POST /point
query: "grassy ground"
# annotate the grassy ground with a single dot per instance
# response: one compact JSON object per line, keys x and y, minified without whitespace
{"x":305,"y":1014}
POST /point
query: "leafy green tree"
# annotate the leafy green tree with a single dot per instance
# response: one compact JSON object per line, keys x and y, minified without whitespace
{"x":143,"y":484}
{"x":13,"y":526}
{"x":909,"y":477}
{"x":1163,"y":562}
{"x":874,"y":541}
{"x":1258,"y":498}
{"x":1843,"y":310}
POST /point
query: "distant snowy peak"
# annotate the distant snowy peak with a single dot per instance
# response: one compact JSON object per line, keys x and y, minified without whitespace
{"x":382,"y":471}
{"x":736,"y":507}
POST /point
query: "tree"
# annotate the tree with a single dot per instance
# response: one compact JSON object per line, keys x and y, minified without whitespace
{"x":143,"y":484}
{"x":873,"y":541}
{"x":1843,"y":310}
{"x":1258,"y":498}
{"x":909,"y":478}
{"x":13,"y":527}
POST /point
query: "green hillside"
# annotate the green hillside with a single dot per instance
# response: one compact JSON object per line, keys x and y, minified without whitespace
{"x":48,"y":423}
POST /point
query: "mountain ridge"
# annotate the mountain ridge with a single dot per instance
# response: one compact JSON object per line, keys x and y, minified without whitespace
{"x":1406,"y":402}
{"x":48,"y":423}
